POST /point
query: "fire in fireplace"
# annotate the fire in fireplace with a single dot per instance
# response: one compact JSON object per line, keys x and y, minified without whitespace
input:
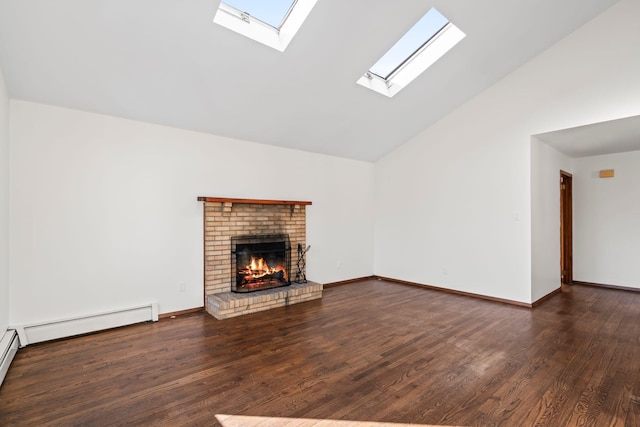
{"x":260,"y":262}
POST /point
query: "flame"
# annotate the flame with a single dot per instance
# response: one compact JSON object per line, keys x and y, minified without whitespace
{"x":259,"y":268}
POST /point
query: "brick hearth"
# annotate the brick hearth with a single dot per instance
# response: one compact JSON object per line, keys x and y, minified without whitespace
{"x":226,"y":218}
{"x":230,"y":304}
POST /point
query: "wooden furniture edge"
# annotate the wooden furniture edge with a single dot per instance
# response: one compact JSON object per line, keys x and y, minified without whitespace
{"x":601,"y":285}
{"x":252,"y":201}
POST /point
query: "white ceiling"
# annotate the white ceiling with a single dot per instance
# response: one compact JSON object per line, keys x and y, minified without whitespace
{"x":614,"y":136}
{"x":165,"y":62}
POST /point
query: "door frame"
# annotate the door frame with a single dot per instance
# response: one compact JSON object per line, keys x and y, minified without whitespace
{"x":566,"y":227}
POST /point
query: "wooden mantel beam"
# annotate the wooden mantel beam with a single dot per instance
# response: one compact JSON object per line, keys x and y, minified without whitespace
{"x":252,"y":201}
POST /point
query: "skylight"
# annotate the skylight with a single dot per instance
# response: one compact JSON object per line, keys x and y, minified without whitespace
{"x":271,"y":12}
{"x":430,"y":38}
{"x":273,"y":23}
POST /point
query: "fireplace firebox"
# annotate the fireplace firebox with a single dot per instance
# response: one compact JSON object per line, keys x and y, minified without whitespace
{"x":260,"y":262}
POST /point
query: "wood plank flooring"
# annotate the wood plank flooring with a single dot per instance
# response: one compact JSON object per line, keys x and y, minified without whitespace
{"x":369,"y":351}
{"x":253,"y":421}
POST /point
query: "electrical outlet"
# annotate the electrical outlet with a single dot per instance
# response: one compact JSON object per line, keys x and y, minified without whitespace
{"x":182,"y":286}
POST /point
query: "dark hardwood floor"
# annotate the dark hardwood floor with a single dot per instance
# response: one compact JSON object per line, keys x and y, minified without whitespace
{"x":369,"y":351}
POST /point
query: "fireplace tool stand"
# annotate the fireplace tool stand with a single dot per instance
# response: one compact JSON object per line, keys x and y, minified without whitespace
{"x":301,"y":275}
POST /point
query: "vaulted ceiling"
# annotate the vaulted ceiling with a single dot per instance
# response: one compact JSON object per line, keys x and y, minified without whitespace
{"x":166,"y":62}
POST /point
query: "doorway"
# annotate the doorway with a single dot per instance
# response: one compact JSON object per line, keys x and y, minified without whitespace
{"x":566,"y":227}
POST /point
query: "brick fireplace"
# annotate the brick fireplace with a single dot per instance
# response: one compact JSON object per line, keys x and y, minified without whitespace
{"x":227,"y":220}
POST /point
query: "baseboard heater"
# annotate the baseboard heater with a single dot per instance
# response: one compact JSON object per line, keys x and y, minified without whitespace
{"x":46,"y":331}
{"x":8,"y":348}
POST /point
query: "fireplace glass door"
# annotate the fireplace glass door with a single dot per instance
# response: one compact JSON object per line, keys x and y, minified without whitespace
{"x":260,"y":262}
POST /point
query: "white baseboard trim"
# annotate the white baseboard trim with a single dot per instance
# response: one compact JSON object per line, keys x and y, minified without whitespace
{"x":46,"y":331}
{"x":9,"y":344}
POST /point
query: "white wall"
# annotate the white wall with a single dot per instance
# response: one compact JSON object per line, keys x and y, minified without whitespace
{"x":453,"y":205}
{"x":546,"y":164}
{"x":104,"y":212}
{"x":606,"y":214}
{"x":4,"y":206}
{"x":104,"y":215}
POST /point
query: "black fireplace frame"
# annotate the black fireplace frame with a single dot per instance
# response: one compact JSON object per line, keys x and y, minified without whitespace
{"x":279,"y":244}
